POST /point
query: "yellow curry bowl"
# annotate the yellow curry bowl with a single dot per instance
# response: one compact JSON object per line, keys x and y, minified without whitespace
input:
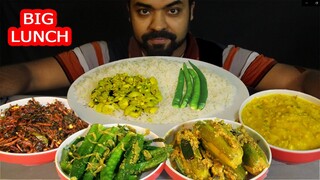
{"x":289,"y":121}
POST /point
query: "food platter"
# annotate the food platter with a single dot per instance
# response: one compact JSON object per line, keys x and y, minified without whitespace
{"x":226,"y":91}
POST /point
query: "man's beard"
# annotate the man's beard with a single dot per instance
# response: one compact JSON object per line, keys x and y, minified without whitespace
{"x":160,"y":49}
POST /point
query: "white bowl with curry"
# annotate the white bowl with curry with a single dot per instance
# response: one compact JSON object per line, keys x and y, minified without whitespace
{"x":289,"y":121}
{"x":213,"y":148}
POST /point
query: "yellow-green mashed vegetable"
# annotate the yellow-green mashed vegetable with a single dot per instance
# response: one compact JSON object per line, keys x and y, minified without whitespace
{"x":285,"y":121}
{"x":132,"y":94}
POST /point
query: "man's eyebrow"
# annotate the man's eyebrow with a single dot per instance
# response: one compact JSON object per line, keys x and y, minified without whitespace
{"x":140,"y":4}
{"x":174,"y":3}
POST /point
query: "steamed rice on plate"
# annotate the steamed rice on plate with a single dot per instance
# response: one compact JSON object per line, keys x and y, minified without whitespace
{"x":222,"y":95}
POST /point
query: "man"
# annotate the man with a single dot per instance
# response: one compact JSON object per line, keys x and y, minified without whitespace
{"x":160,"y":28}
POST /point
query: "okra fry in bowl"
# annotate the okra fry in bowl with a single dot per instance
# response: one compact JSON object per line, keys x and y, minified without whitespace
{"x":112,"y":151}
{"x":212,"y":147}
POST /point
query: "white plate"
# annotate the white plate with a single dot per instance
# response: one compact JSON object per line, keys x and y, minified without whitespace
{"x":79,"y":92}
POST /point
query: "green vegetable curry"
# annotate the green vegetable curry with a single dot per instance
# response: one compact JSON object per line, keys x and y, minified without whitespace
{"x":132,"y":94}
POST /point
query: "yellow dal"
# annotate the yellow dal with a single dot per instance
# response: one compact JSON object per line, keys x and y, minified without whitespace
{"x":285,"y":121}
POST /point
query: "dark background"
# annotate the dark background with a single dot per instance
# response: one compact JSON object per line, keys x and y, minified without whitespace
{"x":286,"y":30}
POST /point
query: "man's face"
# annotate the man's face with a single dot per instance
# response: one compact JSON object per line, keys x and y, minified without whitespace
{"x":160,"y":26}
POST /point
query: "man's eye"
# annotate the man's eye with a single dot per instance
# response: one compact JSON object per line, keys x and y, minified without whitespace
{"x":143,"y":11}
{"x":174,"y":11}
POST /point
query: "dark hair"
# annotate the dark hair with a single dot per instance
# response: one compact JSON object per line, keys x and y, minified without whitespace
{"x":190,"y":2}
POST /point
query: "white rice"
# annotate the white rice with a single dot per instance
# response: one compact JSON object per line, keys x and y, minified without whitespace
{"x":220,"y":91}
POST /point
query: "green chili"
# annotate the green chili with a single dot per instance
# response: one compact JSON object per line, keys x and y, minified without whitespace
{"x":179,"y":90}
{"x":196,"y":90}
{"x":189,"y":87}
{"x":203,"y":87}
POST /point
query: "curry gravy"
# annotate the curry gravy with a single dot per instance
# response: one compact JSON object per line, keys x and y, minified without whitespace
{"x":285,"y":121}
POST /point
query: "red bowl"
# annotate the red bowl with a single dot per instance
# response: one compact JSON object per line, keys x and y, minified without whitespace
{"x":148,"y":175}
{"x":30,"y":159}
{"x":294,"y":157}
{"x":174,"y":174}
{"x":284,"y":155}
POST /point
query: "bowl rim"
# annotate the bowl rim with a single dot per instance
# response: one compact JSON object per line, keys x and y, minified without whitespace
{"x":37,"y":98}
{"x":280,"y":91}
{"x":28,"y":154}
{"x":286,"y":92}
{"x":276,"y":91}
{"x":317,"y":150}
{"x":232,"y":123}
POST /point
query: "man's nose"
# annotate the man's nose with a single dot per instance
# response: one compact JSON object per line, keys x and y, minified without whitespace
{"x":158,"y":22}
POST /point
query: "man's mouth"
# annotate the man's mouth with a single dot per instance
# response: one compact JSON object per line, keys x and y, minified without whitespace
{"x":159,"y":40}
